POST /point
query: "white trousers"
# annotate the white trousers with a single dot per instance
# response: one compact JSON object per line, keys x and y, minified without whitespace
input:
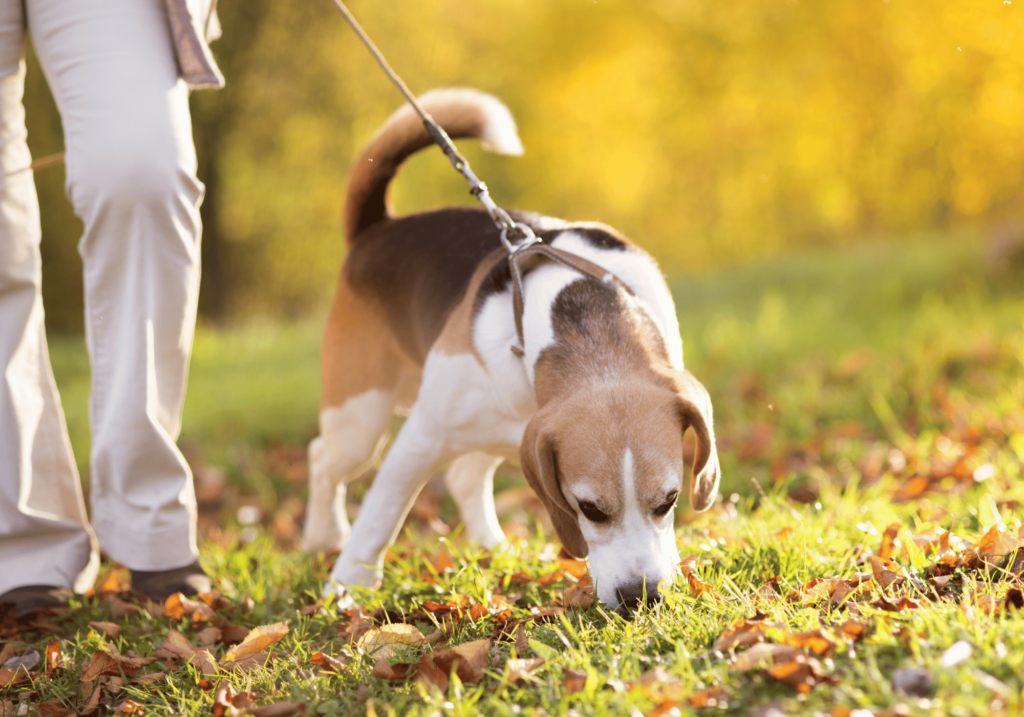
{"x":131,"y":177}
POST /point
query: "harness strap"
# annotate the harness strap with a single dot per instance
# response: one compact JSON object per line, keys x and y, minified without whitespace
{"x":544,"y":251}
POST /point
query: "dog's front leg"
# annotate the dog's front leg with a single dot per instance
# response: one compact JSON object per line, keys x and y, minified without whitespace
{"x":415,"y":455}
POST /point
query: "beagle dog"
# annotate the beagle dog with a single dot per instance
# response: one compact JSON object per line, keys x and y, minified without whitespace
{"x":593,"y":405}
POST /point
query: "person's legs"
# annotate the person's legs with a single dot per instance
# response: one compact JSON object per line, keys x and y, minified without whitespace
{"x":131,"y":170}
{"x":45,"y":539}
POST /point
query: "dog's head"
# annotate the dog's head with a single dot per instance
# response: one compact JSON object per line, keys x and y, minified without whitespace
{"x":608,"y":464}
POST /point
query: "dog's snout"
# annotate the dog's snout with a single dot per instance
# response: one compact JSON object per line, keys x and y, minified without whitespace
{"x":636,"y":594}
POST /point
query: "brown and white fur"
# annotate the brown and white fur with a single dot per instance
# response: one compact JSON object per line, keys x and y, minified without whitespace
{"x":594,"y":411}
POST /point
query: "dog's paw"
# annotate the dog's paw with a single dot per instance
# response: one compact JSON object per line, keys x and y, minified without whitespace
{"x":342,"y":597}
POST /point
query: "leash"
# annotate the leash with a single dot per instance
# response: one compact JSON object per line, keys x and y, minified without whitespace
{"x":518,"y":238}
{"x":41,"y":163}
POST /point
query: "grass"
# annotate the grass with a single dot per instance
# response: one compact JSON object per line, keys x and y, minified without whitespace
{"x":841,"y":381}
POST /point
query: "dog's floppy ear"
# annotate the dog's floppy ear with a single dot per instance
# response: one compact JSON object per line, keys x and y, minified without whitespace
{"x":537,"y":457}
{"x":695,"y":408}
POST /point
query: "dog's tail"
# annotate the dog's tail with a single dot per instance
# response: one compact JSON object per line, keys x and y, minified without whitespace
{"x":461,"y":112}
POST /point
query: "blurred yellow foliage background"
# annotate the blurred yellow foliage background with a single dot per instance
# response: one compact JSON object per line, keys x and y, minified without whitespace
{"x":710,"y":132}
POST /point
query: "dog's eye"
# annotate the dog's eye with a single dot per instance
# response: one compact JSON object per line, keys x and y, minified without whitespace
{"x":665,"y":507}
{"x":591,"y":512}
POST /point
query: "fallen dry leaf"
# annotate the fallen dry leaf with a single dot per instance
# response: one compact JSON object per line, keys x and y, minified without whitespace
{"x":430,"y":675}
{"x":120,"y":609}
{"x":247,"y":663}
{"x":104,"y":664}
{"x":814,"y":640}
{"x":885,"y":571}
{"x":801,"y":672}
{"x":178,"y":606}
{"x":10,"y":677}
{"x":278,"y":709}
{"x":711,"y":697}
{"x":469,"y":660}
{"x":519,"y":670}
{"x":328,"y":662}
{"x":575,"y":681}
{"x":178,"y":645}
{"x":389,"y":640}
{"x":233,"y":634}
{"x":205,"y":661}
{"x":210,"y":635}
{"x":258,"y":639}
{"x":383,"y":670}
{"x":109,"y":629}
{"x":763,"y":655}
{"x":888,"y":545}
{"x":54,"y":708}
{"x":151,"y":679}
{"x":745,"y":632}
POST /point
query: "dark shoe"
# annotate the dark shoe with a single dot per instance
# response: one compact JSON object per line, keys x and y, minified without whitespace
{"x":159,"y":585}
{"x":31,"y":599}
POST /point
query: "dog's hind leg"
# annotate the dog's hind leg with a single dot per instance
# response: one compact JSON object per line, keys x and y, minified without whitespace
{"x":351,"y":437}
{"x":470,"y":480}
{"x":361,"y":375}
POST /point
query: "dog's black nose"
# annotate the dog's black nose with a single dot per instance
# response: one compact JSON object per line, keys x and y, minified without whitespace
{"x":637,"y":593}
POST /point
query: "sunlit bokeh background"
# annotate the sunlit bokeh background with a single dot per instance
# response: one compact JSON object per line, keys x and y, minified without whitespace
{"x":712,"y":133}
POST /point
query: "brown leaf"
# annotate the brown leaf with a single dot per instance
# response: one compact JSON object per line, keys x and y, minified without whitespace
{"x":328,"y":662}
{"x":579,"y":596}
{"x":108,"y":628}
{"x":10,"y":650}
{"x":384,"y":671}
{"x":519,"y":670}
{"x":745,"y":632}
{"x":885,"y":572}
{"x":763,"y":654}
{"x":209,"y":636}
{"x":522,"y":643}
{"x":129,"y":707}
{"x":178,"y":606}
{"x":94,"y":699}
{"x":469,"y":660}
{"x":247,"y":663}
{"x":801,"y":672}
{"x":430,"y":675}
{"x":814,"y":640}
{"x":55,"y":708}
{"x":853,"y":630}
{"x":278,"y":709}
{"x":228,"y":703}
{"x":53,"y":656}
{"x":888,"y":546}
{"x":711,"y":697}
{"x":358,"y":626}
{"x":151,"y":679}
{"x":576,"y":568}
{"x":102,"y":663}
{"x":258,"y":639}
{"x":178,"y":645}
{"x":575,"y":681}
{"x":996,"y":543}
{"x":120,"y":609}
{"x":233,"y":634}
{"x":205,"y":661}
{"x":769,"y":591}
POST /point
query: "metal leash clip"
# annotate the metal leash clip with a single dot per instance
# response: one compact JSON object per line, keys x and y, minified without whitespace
{"x":526,"y":237}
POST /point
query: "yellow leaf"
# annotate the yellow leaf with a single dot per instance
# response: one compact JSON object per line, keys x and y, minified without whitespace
{"x":257,"y":640}
{"x":383,"y":642}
